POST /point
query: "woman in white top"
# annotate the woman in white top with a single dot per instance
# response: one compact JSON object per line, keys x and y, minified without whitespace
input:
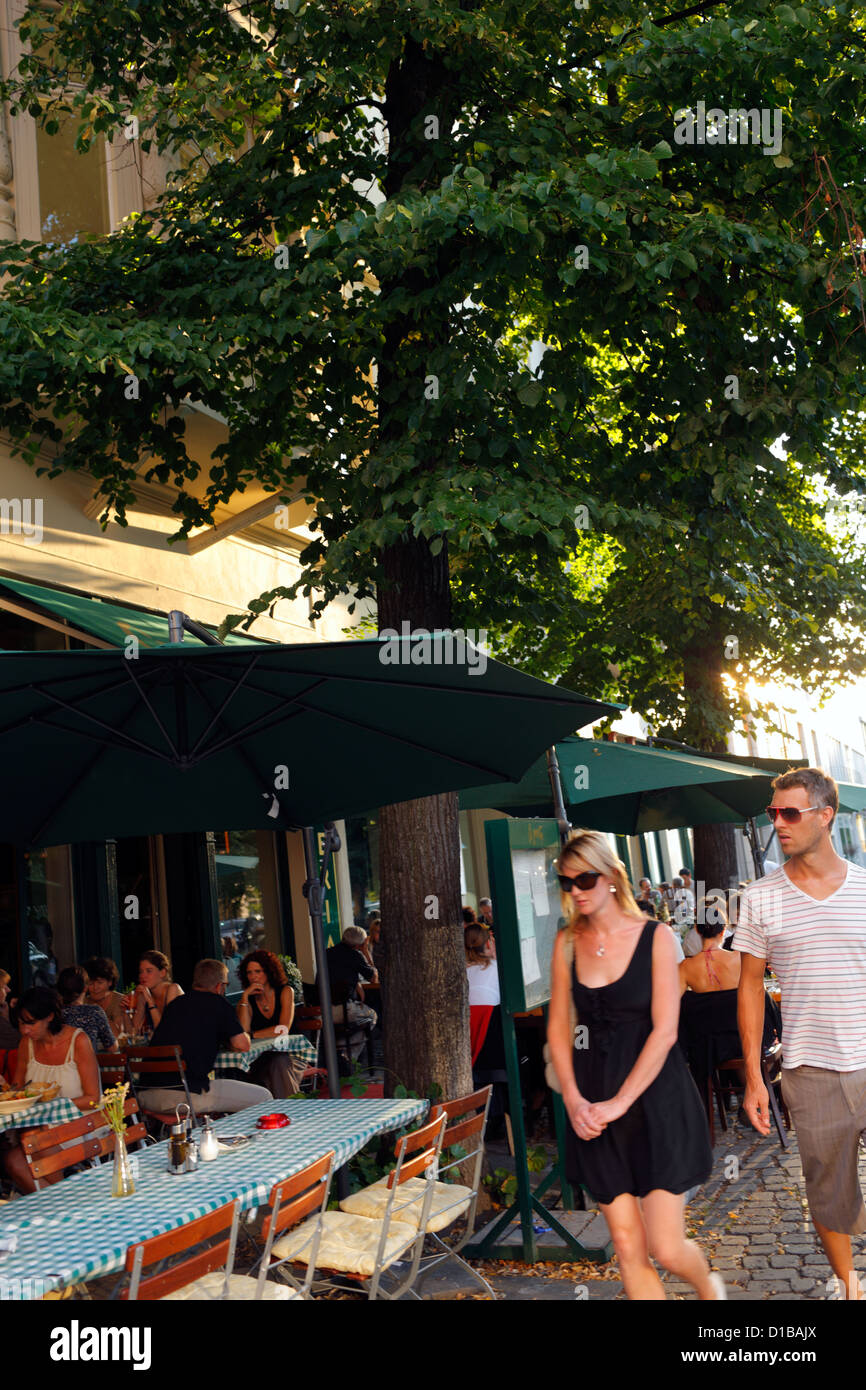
{"x":480,"y":955}
{"x":56,"y":1054}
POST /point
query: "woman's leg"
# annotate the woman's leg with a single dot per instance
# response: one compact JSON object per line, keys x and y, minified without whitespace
{"x":627,"y":1231}
{"x":664,"y":1215}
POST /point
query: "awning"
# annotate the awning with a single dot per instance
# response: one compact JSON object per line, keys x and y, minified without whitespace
{"x":97,"y":622}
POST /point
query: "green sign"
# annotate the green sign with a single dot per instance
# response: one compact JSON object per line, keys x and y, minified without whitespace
{"x":521,"y":857}
{"x":331,"y":925}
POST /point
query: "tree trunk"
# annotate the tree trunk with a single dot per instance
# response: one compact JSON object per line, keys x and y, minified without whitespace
{"x":424,"y":989}
{"x":706,"y":719}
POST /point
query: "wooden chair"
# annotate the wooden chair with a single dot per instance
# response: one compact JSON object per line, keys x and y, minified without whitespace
{"x":167,"y":1063}
{"x":208,"y":1245}
{"x":451,"y":1201}
{"x":358,"y":1249}
{"x":46,"y":1156}
{"x":290,"y":1202}
{"x":113,"y":1070}
{"x":727,"y":1079}
{"x":308,"y":1020}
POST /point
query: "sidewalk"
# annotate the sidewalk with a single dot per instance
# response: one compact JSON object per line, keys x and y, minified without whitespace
{"x":750,"y":1218}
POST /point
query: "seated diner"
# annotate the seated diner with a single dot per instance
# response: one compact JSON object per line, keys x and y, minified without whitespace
{"x":51,"y":1052}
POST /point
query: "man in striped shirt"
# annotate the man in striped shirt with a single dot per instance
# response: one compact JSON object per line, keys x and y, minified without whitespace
{"x":808,"y":922}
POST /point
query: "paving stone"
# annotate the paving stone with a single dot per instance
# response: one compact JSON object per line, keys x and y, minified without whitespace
{"x":803,"y":1285}
{"x":781,"y":1261}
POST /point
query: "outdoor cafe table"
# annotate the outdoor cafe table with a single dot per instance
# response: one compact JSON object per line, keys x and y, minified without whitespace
{"x":49,"y":1112}
{"x":75,"y":1230}
{"x":294,"y":1043}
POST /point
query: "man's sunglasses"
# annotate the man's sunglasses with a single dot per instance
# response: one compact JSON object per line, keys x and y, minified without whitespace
{"x":588,"y":879}
{"x":789,"y":814}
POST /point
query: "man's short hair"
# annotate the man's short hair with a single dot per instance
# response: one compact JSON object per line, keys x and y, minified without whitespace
{"x":686,"y":871}
{"x":485,"y":902}
{"x":208,"y":974}
{"x":678,"y":883}
{"x":819,"y":786}
{"x":354,"y":936}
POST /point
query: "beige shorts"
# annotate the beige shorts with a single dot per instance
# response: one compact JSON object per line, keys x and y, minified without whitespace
{"x":828,"y":1109}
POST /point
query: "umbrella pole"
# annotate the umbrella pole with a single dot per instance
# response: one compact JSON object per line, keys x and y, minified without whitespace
{"x":556,"y":789}
{"x":314,"y":892}
{"x":757,"y":852}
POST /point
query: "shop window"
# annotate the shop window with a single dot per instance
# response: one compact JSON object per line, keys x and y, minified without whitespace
{"x":247,"y":896}
{"x":362,"y":852}
{"x":9,"y":954}
{"x":135,"y":906}
{"x":50,"y":941}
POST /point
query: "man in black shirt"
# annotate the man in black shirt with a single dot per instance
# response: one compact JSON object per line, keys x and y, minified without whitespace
{"x":200,"y":1022}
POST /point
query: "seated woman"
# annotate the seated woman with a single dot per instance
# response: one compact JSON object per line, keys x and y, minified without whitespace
{"x":709,"y":1033}
{"x":72,"y":988}
{"x":8,"y":1031}
{"x":155,"y":989}
{"x":266,"y":1009}
{"x":102,"y":976}
{"x":54,"y":1053}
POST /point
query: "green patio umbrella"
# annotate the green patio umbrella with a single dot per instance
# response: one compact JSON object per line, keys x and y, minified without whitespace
{"x":97,"y":744}
{"x":628,"y":789}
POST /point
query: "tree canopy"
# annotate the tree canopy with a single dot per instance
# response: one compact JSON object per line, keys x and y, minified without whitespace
{"x":381,"y":210}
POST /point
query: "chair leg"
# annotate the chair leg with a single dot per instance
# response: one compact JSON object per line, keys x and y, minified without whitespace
{"x":708,"y":1106}
{"x":774,"y":1106}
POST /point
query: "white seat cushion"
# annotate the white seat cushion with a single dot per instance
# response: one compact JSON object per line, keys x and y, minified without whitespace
{"x":449,"y":1201}
{"x":241,"y":1286}
{"x":349,"y":1243}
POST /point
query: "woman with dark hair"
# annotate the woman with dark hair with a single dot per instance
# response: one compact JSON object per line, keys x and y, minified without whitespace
{"x":51,"y":1053}
{"x":72,"y":988}
{"x":102,"y":976}
{"x":469,"y":918}
{"x":266,"y":1009}
{"x":155,"y":989}
{"x":638,"y":1137}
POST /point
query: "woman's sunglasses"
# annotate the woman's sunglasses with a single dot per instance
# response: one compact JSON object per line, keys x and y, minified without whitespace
{"x":588,"y":879}
{"x":789,"y":814}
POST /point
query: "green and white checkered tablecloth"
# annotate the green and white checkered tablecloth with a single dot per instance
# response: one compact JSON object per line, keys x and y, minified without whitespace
{"x":49,"y":1112}
{"x":294,"y":1043}
{"x":76,"y":1230}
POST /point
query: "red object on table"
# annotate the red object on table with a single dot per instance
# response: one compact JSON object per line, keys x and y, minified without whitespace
{"x":276,"y":1120}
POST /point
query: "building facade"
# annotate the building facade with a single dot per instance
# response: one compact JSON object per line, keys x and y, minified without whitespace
{"x":67,"y":582}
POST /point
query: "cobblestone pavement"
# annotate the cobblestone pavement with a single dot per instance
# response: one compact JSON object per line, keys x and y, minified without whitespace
{"x":753,"y":1222}
{"x":750,"y":1219}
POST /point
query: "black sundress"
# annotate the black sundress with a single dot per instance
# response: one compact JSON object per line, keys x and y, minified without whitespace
{"x":663,"y":1140}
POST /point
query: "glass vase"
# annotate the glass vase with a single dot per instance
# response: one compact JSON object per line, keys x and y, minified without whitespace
{"x":122,"y":1184}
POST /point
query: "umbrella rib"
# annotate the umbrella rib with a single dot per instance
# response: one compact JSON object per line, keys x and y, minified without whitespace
{"x":217,"y":714}
{"x":368,"y":729}
{"x":118,"y":737}
{"x":142,"y":694}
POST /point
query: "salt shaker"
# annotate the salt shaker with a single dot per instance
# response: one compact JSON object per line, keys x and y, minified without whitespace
{"x":209,"y":1144}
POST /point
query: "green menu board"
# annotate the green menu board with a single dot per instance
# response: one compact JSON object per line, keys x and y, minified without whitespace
{"x":521,"y":859}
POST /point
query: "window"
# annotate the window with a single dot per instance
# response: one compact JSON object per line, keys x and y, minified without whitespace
{"x":246,"y":892}
{"x":50,"y":925}
{"x":73,"y":189}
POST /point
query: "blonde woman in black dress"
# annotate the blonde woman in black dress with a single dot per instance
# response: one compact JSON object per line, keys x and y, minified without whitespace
{"x":638,"y":1138}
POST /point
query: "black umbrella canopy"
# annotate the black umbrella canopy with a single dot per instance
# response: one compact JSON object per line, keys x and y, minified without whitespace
{"x":96,"y":744}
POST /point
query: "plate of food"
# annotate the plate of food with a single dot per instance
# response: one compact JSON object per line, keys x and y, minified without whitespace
{"x":43,"y":1090}
{"x":13,"y":1101}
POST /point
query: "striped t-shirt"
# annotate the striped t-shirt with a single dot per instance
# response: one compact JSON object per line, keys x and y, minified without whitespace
{"x":817,"y":951}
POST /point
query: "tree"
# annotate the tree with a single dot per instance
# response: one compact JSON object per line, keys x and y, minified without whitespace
{"x":384,"y":208}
